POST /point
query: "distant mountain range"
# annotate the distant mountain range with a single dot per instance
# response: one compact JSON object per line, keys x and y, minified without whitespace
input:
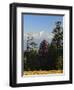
{"x":38,"y":37}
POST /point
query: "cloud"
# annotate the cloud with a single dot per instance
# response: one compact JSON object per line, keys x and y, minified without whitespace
{"x":41,"y":33}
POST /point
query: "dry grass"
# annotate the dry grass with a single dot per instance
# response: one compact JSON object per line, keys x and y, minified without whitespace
{"x":40,"y":72}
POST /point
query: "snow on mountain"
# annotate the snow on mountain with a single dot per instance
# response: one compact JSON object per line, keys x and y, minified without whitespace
{"x":38,"y":37}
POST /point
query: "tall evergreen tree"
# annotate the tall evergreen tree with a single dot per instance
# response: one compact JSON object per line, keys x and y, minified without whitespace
{"x":30,"y":43}
{"x":58,"y":35}
{"x":57,"y":46}
{"x":43,"y":50}
{"x":43,"y":55}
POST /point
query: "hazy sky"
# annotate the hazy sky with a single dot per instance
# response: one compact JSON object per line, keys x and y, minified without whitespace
{"x":37,"y":23}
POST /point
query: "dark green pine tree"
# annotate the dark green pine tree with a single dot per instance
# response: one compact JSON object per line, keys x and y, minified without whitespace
{"x":57,"y":46}
{"x":58,"y":35}
{"x":43,"y":55}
